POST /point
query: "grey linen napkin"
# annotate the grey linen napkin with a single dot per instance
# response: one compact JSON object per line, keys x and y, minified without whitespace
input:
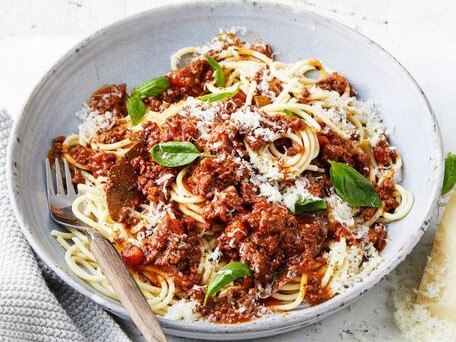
{"x":35,"y":305}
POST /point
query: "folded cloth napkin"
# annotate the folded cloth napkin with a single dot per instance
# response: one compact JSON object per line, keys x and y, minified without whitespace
{"x":36,"y":305}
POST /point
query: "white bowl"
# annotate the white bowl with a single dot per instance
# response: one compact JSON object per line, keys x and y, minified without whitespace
{"x":138,"y":48}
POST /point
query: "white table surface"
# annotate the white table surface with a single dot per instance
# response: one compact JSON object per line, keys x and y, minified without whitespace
{"x":421,"y":34}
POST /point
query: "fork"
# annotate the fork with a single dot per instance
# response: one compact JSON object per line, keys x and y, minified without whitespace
{"x":60,"y":201}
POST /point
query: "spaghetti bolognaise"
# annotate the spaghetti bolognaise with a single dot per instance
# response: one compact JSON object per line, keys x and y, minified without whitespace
{"x":235,"y":185}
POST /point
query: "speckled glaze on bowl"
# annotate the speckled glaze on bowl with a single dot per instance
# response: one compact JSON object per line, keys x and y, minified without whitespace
{"x":137,"y":48}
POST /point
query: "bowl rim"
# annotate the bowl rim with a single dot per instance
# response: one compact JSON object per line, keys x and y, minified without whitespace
{"x":280,"y":323}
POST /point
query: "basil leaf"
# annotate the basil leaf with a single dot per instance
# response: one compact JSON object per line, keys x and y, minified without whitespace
{"x":352,"y":186}
{"x":220,"y":96}
{"x":153,"y":87}
{"x":175,"y":153}
{"x":226,"y":275}
{"x":218,"y":72}
{"x":288,"y":112}
{"x":136,"y":109}
{"x":308,"y":205}
{"x":450,"y":173}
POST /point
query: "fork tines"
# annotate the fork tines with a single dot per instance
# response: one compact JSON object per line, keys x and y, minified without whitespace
{"x":63,"y":182}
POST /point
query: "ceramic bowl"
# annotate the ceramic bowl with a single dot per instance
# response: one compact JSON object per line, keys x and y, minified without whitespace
{"x":139,"y":47}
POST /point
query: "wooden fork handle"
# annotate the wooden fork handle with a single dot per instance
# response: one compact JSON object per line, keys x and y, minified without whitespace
{"x":125,"y":287}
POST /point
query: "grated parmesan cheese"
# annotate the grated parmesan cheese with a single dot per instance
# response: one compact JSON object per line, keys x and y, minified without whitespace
{"x":266,"y":167}
{"x":331,"y":97}
{"x":263,"y":292}
{"x":184,"y":310}
{"x":337,"y":113}
{"x":250,"y":120}
{"x":271,"y":192}
{"x":289,"y":194}
{"x":93,"y":122}
{"x":204,"y":113}
{"x":236,"y":30}
{"x":348,"y":265}
{"x":225,"y":36}
{"x":340,"y":211}
{"x":370,"y":118}
{"x":292,"y":193}
{"x":362,"y":232}
{"x":216,"y":45}
{"x":163,"y":181}
{"x":263,"y":85}
{"x":153,"y":213}
{"x":336,"y":116}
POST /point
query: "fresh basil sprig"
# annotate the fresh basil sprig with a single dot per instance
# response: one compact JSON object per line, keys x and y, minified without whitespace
{"x":450,"y":173}
{"x":305,"y":205}
{"x":153,"y":87}
{"x":352,"y":186}
{"x":221,"y":95}
{"x":226,"y":275}
{"x":218,"y":72}
{"x":288,"y":112}
{"x":136,"y":108}
{"x":175,"y":153}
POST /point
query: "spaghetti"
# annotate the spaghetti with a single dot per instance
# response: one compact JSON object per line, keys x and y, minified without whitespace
{"x":264,"y":149}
